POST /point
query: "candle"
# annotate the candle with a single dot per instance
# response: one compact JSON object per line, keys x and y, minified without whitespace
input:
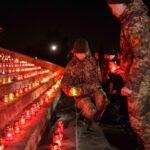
{"x":38,"y":105}
{"x":35,"y":108}
{"x":16,"y":127}
{"x":20,"y":91}
{"x":9,"y":70}
{"x":11,"y":96}
{"x":55,"y":147}
{"x":26,"y":89}
{"x":32,"y":110}
{"x":58,"y":131}
{"x":5,"y":99}
{"x":22,"y":120}
{"x":46,"y":99}
{"x":4,"y":81}
{"x":60,"y":124}
{"x":27,"y":114}
{"x":30,"y":87}
{"x":1,"y":144}
{"x":56,"y":140}
{"x":9,"y":80}
{"x":9,"y":134}
{"x":41,"y":101}
{"x":17,"y":93}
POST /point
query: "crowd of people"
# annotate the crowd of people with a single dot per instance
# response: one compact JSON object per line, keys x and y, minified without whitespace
{"x":127,"y":74}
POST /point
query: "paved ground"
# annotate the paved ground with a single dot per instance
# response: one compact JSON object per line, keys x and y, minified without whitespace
{"x":109,"y":137}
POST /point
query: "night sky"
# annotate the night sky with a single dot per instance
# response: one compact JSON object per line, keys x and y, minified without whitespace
{"x":30,"y":27}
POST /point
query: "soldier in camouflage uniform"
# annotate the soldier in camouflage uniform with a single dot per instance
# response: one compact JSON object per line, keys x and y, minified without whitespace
{"x":82,"y":80}
{"x":135,"y":64}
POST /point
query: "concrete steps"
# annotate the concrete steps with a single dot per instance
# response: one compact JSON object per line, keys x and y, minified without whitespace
{"x":29,"y":91}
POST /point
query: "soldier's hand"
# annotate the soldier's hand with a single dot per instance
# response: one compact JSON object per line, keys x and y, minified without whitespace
{"x":75,"y":91}
{"x":119,"y":71}
{"x":126,"y":92}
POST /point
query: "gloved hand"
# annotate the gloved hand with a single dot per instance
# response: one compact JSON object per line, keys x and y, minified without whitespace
{"x":75,"y":91}
{"x":126,"y":92}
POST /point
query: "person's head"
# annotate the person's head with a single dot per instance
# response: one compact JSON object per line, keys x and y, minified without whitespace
{"x":118,"y":6}
{"x":80,"y":48}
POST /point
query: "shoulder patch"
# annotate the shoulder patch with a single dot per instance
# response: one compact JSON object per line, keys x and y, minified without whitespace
{"x":135,"y":39}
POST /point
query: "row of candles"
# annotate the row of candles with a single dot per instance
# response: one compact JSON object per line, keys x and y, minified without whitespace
{"x":12,"y":65}
{"x":7,"y":80}
{"x":8,"y":59}
{"x":15,"y":128}
{"x":19,"y":92}
{"x":14,"y":70}
{"x":57,"y":136}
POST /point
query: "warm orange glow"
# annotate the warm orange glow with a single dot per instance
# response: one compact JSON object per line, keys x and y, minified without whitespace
{"x":4,"y":81}
{"x":73,"y":91}
{"x":113,"y":66}
{"x":22,"y":120}
{"x":9,"y":80}
{"x":1,"y":144}
{"x":16,"y":128}
{"x":5,"y":99}
{"x":11,"y":96}
{"x":9,"y":134}
{"x":17,"y":93}
{"x":27,"y":114}
{"x":57,"y":140}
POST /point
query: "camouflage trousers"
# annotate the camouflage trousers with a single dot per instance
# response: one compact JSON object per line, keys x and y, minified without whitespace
{"x":139,"y":112}
{"x":92,"y":106}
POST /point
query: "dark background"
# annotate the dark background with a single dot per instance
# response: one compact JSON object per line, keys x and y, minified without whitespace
{"x":31,"y":26}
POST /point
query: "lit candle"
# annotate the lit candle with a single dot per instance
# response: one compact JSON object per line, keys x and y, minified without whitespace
{"x":27,"y":114}
{"x":56,"y":140}
{"x":11,"y":96}
{"x":9,"y":134}
{"x":16,"y":127}
{"x":9,"y":70}
{"x":60,"y":124}
{"x":30,"y":87}
{"x":1,"y":144}
{"x":5,"y":99}
{"x":38,"y":105}
{"x":26,"y":89}
{"x":41,"y":101}
{"x":35,"y":108}
{"x":32,"y":110}
{"x":17,"y":93}
{"x":33,"y":85}
{"x":22,"y":120}
{"x":55,"y":147}
{"x":58,"y":131}
{"x":20,"y":91}
{"x":9,"y":80}
{"x":46,"y":99}
{"x":4,"y":81}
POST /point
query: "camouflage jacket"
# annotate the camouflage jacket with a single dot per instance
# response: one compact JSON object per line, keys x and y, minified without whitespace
{"x":85,"y":74}
{"x":135,"y":43}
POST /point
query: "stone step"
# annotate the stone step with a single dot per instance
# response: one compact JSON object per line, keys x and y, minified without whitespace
{"x":31,"y":133}
{"x":6,"y":89}
{"x":10,"y":111}
{"x":76,"y":137}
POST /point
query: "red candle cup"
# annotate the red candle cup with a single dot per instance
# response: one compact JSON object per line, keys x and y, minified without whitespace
{"x":9,"y":134}
{"x":56,"y":140}
{"x":1,"y":144}
{"x":28,"y":114}
{"x":16,"y":127}
{"x":55,"y":147}
{"x":22,"y":120}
